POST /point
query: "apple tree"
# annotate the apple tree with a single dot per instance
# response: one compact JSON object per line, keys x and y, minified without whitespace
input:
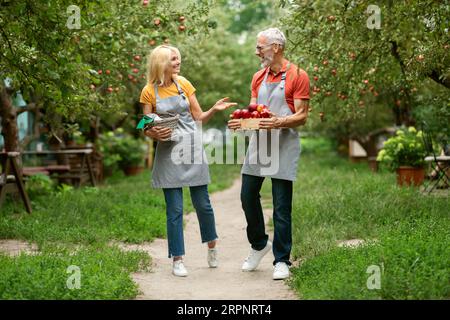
{"x":371,"y":63}
{"x":83,"y":61}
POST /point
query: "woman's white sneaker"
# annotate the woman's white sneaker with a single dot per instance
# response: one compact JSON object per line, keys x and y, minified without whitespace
{"x":178,"y":269}
{"x":212,"y":258}
{"x":280,"y":271}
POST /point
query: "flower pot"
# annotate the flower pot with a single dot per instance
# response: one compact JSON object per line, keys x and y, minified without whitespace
{"x":133,"y":170}
{"x":407,"y":176}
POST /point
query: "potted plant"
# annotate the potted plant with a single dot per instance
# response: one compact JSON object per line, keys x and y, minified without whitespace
{"x":405,"y":153}
{"x":132,"y":154}
{"x":106,"y":144}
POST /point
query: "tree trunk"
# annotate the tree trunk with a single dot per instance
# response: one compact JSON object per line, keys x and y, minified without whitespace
{"x":8,"y":114}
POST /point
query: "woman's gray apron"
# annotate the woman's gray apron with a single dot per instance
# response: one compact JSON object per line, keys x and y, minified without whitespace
{"x":182,"y":162}
{"x":273,"y":153}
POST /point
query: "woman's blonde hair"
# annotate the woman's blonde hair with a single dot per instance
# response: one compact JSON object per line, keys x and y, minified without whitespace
{"x":157,"y":63}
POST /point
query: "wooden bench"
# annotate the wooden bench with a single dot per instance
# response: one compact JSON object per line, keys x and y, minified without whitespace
{"x":77,"y":166}
{"x":46,"y":170}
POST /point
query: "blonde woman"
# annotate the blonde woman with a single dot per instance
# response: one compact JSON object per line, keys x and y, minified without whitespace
{"x":168,"y":93}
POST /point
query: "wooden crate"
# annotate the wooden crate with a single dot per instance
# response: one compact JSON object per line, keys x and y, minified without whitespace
{"x":250,"y":124}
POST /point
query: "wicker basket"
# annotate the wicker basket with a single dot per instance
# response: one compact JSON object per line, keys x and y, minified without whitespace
{"x":166,"y":122}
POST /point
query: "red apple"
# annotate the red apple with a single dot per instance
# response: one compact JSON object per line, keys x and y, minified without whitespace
{"x":100,"y":71}
{"x":365,"y":81}
{"x":260,"y":108}
{"x":255,"y":115}
{"x":181,"y":28}
{"x":182,"y":18}
{"x":145,"y":3}
{"x":157,"y":22}
{"x":131,"y":65}
{"x":265,"y":114}
{"x":237,"y":114}
{"x":252,"y":107}
{"x":333,"y":72}
{"x":108,"y":72}
{"x":316,"y":68}
{"x":152,"y":42}
{"x":331,"y":18}
{"x":130,"y":77}
{"x":137,"y":57}
{"x":245,"y":114}
{"x":135,"y":70}
{"x":316,"y":78}
{"x":109,"y":90}
{"x":325,"y":62}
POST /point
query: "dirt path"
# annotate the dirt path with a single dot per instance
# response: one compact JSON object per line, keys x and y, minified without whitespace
{"x":225,"y":282}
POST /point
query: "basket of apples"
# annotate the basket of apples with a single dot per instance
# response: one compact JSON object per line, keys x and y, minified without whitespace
{"x":251,"y":116}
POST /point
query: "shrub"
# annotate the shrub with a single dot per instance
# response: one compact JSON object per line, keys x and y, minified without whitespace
{"x":406,"y":148}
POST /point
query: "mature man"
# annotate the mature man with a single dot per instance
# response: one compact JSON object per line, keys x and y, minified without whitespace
{"x":284,"y":88}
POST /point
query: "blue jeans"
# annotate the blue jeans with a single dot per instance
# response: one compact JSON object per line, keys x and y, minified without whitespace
{"x":282,"y":209}
{"x":174,"y":213}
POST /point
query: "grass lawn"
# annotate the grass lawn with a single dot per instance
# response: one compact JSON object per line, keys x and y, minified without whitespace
{"x":75,"y":227}
{"x":407,"y":233}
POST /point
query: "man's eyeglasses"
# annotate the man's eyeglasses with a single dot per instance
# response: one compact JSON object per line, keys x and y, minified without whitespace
{"x":259,"y":48}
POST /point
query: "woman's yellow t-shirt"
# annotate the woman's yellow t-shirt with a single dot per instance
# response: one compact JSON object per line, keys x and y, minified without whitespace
{"x":148,"y":92}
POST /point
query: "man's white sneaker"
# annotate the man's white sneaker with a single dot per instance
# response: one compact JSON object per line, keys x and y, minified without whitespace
{"x":280,"y":271}
{"x":178,"y":269}
{"x":212,"y":258}
{"x":254,"y":258}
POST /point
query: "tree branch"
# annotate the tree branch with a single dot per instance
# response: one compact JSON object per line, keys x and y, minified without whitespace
{"x":435,"y":75}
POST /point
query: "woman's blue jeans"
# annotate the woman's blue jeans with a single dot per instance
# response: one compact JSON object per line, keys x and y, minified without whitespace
{"x":174,"y":213}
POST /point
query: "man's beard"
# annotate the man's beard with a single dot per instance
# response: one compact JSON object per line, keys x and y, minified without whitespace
{"x":267,"y":61}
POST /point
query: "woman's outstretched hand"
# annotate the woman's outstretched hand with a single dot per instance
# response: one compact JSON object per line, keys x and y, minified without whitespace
{"x":222,"y":104}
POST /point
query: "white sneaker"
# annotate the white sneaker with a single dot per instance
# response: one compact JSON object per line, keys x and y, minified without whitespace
{"x":280,"y":271}
{"x":212,"y":258}
{"x":254,"y":258}
{"x":178,"y":269}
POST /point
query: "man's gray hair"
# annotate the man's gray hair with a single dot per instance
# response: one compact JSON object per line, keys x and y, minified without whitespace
{"x":274,"y":35}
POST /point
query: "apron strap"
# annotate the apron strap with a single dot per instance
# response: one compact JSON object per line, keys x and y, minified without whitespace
{"x":283,"y":76}
{"x":180,"y":91}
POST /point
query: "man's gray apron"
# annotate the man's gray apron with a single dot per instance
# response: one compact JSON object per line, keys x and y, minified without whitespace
{"x":281,"y":161}
{"x":182,"y":162}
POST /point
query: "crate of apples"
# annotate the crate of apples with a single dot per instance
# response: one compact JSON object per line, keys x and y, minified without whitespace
{"x":251,"y":116}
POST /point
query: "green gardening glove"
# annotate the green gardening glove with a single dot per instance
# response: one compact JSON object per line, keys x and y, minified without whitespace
{"x":145,"y":121}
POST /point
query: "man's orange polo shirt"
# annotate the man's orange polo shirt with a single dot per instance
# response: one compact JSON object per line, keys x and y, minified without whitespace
{"x":297,"y":83}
